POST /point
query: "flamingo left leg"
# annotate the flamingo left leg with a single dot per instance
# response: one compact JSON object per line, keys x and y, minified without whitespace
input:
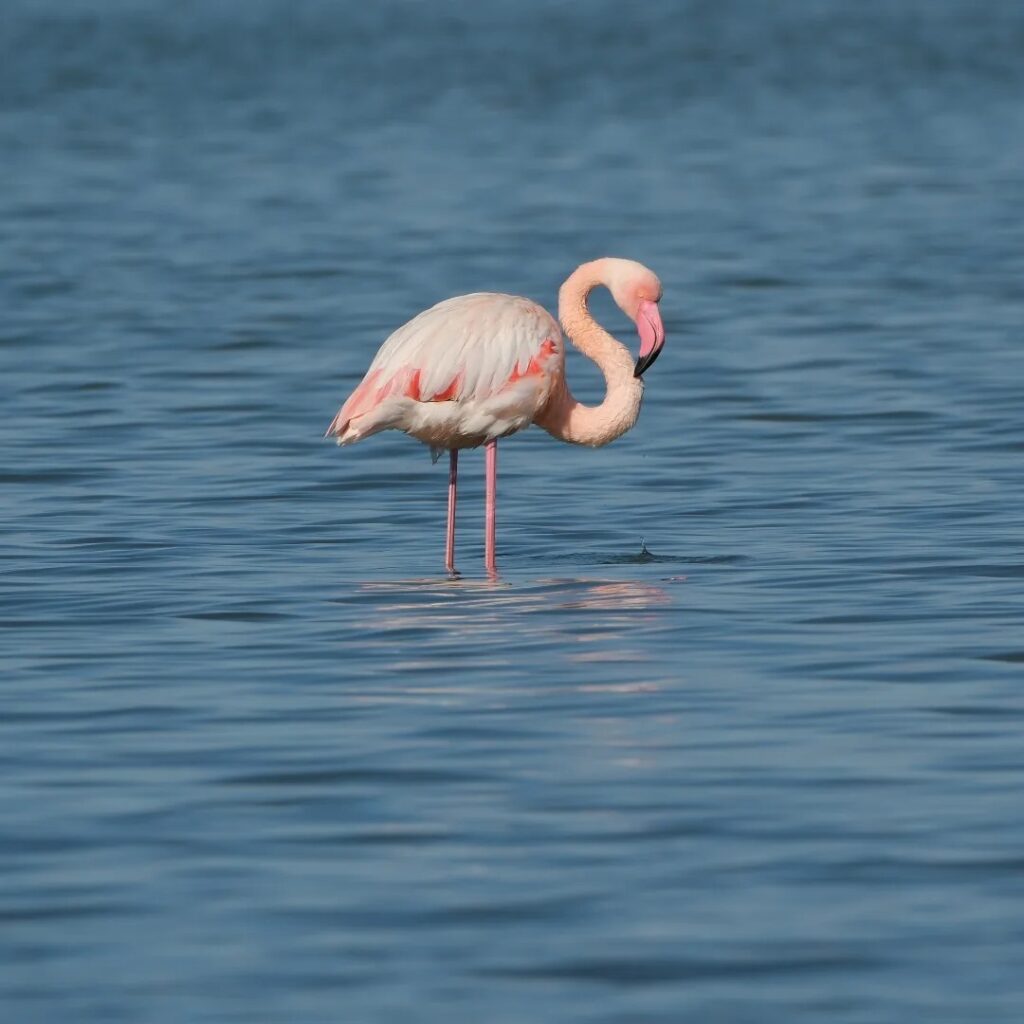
{"x":492,"y":496}
{"x":449,"y":547}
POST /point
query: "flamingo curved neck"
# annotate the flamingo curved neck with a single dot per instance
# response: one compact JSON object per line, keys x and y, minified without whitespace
{"x":564,"y":416}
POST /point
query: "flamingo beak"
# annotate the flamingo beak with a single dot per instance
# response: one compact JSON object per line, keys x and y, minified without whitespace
{"x":652,"y":335}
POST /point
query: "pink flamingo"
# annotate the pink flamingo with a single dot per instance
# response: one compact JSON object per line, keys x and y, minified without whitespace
{"x":478,"y":367}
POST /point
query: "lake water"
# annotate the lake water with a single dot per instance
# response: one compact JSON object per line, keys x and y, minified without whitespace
{"x":737,"y":734}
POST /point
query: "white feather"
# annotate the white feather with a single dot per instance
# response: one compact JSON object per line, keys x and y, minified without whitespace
{"x":478,"y":348}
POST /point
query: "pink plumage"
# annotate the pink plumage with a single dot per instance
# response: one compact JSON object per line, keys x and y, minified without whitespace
{"x":470,"y":369}
{"x":478,"y":367}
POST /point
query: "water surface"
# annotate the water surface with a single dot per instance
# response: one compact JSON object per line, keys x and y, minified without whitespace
{"x":737,"y":734}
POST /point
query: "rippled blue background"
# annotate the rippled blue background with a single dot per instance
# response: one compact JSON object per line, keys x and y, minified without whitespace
{"x":260,"y":761}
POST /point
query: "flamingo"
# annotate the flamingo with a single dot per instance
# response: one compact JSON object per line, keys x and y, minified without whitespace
{"x":475,"y":368}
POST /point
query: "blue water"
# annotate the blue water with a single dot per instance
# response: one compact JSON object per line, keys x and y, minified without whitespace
{"x":737,"y":735}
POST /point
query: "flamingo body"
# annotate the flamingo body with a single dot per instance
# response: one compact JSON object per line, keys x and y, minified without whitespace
{"x":466,"y":371}
{"x":475,"y":368}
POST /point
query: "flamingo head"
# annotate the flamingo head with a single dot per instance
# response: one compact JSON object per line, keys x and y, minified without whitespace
{"x":637,"y":292}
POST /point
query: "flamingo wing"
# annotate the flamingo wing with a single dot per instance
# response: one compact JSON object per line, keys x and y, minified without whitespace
{"x":469,"y":368}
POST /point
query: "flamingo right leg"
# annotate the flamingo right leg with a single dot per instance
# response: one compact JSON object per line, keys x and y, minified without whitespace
{"x":449,"y":548}
{"x":491,"y":507}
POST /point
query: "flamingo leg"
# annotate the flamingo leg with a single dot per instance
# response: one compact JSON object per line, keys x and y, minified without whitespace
{"x":492,"y":489}
{"x":449,"y":548}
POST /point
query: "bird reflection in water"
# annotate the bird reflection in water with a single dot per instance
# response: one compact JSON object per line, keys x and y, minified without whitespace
{"x":430,"y":625}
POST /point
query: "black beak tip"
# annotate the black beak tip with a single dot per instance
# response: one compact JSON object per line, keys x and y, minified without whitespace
{"x":644,"y":363}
